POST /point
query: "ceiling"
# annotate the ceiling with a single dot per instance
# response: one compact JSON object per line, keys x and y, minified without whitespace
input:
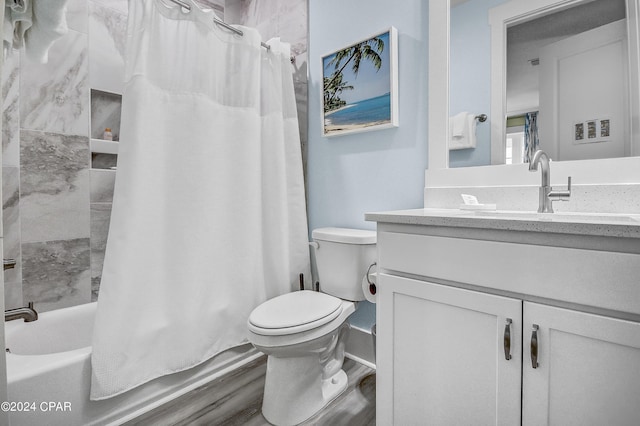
{"x":525,"y":40}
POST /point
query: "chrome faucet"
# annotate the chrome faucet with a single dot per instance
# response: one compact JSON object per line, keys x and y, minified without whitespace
{"x":27,"y":313}
{"x":547,"y":195}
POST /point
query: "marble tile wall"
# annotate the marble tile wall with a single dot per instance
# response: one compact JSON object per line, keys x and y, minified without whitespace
{"x":11,"y":241}
{"x":11,"y":111}
{"x":54,"y":97}
{"x":55,"y":209}
{"x":107,"y":37}
{"x":56,"y":274}
{"x":102,"y":183}
{"x":11,"y":178}
{"x":54,"y":186}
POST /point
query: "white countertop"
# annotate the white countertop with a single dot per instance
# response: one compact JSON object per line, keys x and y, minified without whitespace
{"x":595,"y":224}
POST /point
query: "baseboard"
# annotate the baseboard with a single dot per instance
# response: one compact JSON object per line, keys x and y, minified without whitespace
{"x":360,"y":347}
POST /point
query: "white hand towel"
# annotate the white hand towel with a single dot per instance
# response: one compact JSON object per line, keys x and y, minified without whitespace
{"x":471,"y":130}
{"x":49,"y":24}
{"x":458,"y":124}
{"x":465,"y":137}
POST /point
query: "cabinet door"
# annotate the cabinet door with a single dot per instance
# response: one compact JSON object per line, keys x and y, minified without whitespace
{"x":588,"y":369}
{"x":441,"y":358}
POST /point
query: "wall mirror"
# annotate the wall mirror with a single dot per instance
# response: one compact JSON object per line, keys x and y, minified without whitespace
{"x":559,"y":75}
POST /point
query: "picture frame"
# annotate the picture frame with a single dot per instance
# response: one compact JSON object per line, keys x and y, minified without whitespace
{"x":360,"y":86}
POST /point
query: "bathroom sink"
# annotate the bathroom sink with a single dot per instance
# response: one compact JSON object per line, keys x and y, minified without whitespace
{"x":608,"y":218}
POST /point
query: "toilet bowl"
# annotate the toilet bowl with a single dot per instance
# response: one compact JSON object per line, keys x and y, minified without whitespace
{"x":303,"y":333}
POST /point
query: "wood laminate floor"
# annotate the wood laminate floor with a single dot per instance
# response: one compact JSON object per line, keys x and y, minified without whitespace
{"x":236,"y":399}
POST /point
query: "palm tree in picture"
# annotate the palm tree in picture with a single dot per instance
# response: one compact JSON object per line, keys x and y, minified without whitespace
{"x":369,"y":50}
{"x":333,"y":87}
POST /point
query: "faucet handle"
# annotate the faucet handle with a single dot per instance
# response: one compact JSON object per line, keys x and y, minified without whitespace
{"x":562,"y":195}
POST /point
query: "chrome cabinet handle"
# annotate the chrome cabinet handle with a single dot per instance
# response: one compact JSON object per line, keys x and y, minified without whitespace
{"x":507,"y":339}
{"x":534,"y":346}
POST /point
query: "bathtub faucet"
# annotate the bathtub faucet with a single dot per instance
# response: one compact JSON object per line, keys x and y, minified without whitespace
{"x":27,"y":313}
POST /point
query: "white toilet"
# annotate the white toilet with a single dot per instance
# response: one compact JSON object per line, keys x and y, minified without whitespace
{"x":303,"y":333}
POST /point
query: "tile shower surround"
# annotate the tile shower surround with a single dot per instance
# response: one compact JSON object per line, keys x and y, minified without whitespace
{"x":56,"y":208}
{"x":54,"y":218}
{"x":54,"y":97}
{"x":52,"y":227}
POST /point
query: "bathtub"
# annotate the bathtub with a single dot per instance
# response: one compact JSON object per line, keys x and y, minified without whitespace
{"x":49,"y":373}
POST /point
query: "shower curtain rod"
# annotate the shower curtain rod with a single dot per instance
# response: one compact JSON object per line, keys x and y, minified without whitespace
{"x":220,"y":22}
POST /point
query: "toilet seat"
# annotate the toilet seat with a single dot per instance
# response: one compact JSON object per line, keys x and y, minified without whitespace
{"x":294,"y":313}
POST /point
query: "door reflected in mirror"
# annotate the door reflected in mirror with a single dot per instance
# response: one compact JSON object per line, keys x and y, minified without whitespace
{"x":567,"y":83}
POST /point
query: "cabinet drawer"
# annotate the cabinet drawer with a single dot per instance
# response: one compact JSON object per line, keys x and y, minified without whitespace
{"x":602,"y":279}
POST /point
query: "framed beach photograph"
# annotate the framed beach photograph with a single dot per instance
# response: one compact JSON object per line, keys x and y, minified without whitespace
{"x":360,"y":86}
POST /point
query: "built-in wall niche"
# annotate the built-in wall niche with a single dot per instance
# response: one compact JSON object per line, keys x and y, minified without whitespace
{"x":105,"y":114}
{"x":102,"y":160}
{"x":106,"y":110}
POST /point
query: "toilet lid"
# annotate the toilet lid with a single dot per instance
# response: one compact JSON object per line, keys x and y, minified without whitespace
{"x":296,"y":309}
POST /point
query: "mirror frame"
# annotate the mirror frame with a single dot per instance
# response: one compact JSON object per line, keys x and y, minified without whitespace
{"x":438,"y":103}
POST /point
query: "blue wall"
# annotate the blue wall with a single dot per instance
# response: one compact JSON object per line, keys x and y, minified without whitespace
{"x":470,"y":75}
{"x":370,"y":171}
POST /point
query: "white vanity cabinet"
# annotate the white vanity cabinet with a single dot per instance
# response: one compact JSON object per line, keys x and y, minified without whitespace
{"x":451,"y":299}
{"x":588,"y":369}
{"x":445,"y":362}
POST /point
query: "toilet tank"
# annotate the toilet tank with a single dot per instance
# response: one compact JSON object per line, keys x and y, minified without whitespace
{"x":342,"y":257}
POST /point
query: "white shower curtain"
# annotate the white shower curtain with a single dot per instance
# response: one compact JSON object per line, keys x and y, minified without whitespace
{"x":209,"y":216}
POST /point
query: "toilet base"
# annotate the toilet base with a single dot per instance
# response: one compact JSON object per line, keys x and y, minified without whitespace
{"x":294,"y":389}
{"x":332,"y":388}
{"x":302,"y":379}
